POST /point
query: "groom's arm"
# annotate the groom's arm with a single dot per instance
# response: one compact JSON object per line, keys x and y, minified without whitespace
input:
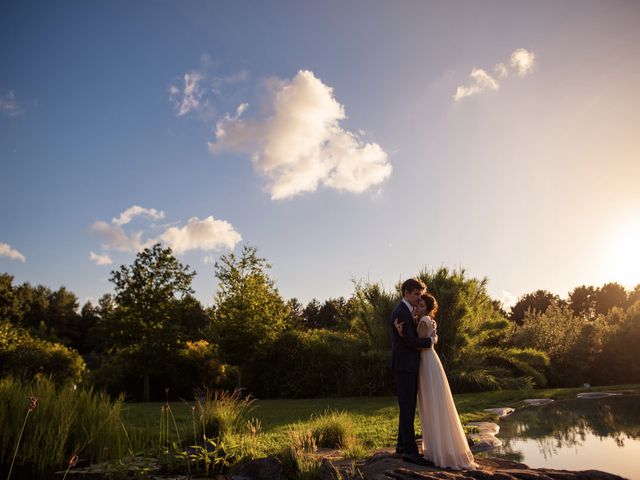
{"x":409,"y":334}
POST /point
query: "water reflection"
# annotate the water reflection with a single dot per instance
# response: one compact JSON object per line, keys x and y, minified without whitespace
{"x":578,"y":434}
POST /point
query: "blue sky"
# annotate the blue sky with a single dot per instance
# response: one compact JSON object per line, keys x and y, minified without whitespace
{"x":345,"y":140}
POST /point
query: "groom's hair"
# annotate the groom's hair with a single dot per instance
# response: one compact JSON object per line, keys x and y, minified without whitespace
{"x":411,"y":285}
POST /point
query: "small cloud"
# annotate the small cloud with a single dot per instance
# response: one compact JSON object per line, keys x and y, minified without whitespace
{"x":187,"y":97}
{"x":206,"y":234}
{"x":115,"y":238}
{"x":9,"y":105}
{"x":501,"y":70}
{"x":523,"y":61}
{"x":301,"y":144}
{"x":103,"y":259}
{"x":482,"y":82}
{"x":7,"y":251}
{"x":134,"y":211}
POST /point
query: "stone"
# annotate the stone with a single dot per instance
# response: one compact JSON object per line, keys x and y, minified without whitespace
{"x":597,"y":394}
{"x":536,"y":402}
{"x":500,"y":411}
{"x":268,"y":468}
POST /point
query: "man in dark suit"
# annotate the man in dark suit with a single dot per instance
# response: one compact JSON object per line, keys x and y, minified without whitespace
{"x":405,"y":361}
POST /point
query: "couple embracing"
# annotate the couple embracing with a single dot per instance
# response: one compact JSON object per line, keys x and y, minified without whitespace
{"x":420,"y":379}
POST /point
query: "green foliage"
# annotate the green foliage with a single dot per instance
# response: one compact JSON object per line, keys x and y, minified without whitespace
{"x":374,"y":307}
{"x":24,"y":356}
{"x":249,"y":312}
{"x":319,"y":363}
{"x":66,"y":421}
{"x":333,"y":429}
{"x":572,"y":343}
{"x":537,"y":301}
{"x":472,"y":337}
{"x":299,"y":461}
{"x":619,"y":359}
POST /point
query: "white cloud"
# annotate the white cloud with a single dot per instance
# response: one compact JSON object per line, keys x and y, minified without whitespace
{"x":206,"y":234}
{"x":188,"y":98}
{"x":9,"y":105}
{"x":7,"y":251}
{"x":134,"y":211}
{"x":508,"y":299}
{"x":501,"y":70}
{"x":482,"y":81}
{"x":300,"y":144}
{"x":115,"y":238}
{"x":523,"y":61}
{"x":103,"y":259}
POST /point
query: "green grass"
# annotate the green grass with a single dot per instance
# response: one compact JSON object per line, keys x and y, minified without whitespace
{"x":374,"y":418}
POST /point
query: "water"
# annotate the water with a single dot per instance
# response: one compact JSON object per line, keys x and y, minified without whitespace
{"x":579,"y":434}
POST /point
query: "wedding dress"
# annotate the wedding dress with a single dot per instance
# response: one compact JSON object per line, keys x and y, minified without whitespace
{"x":443,"y":439}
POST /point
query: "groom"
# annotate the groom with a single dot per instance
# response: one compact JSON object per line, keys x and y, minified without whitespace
{"x":405,"y":359}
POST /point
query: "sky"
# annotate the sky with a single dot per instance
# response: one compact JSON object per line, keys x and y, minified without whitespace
{"x":347,"y":141}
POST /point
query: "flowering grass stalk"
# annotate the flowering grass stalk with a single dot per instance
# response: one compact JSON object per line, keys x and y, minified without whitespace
{"x":33,"y":404}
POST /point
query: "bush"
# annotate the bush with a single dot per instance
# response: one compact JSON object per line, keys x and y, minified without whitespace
{"x":333,"y":430}
{"x":23,"y":356}
{"x":222,"y":413}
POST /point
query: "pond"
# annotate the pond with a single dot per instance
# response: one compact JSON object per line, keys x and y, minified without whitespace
{"x":577,"y":434}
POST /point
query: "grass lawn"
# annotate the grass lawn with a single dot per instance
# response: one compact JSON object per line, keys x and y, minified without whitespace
{"x":374,"y":418}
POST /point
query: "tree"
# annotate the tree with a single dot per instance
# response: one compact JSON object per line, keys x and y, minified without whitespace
{"x":582,"y":301}
{"x":249,"y":311}
{"x":537,"y":301}
{"x":473,"y":336}
{"x":634,"y":295}
{"x":610,"y":295}
{"x":147,"y":294}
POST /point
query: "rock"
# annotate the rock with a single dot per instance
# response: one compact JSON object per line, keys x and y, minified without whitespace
{"x":597,"y":394}
{"x":536,"y":402}
{"x":485,"y":439}
{"x":501,"y":411}
{"x":260,"y":469}
{"x":387,"y":466}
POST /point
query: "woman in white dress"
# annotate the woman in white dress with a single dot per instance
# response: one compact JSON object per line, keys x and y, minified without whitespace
{"x":443,"y":439}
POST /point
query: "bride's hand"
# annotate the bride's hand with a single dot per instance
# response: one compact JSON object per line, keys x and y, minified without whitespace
{"x":398,"y":326}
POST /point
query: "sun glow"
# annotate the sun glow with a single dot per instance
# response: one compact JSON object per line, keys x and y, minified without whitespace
{"x":624,"y":264}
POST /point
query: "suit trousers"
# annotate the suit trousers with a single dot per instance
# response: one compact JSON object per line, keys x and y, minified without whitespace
{"x":407,"y":391}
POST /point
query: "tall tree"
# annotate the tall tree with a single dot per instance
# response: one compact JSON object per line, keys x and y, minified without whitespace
{"x":146,"y":294}
{"x":249,"y":311}
{"x":610,"y":295}
{"x":582,"y":301}
{"x":537,"y":301}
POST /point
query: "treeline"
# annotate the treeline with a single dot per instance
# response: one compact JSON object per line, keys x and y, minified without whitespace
{"x":152,"y":338}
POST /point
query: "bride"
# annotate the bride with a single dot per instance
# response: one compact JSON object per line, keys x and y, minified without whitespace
{"x":443,"y":439}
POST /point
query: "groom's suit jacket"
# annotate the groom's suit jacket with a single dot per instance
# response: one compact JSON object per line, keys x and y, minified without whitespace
{"x":405,"y":350}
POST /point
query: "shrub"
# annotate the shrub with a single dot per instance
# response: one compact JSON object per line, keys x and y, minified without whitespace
{"x":222,"y":413}
{"x":23,"y":356}
{"x":333,"y":430}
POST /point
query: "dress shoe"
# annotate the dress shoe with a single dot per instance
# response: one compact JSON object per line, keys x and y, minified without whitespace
{"x":416,"y":459}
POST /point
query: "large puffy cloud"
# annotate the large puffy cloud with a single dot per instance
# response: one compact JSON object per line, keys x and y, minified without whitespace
{"x":206,"y":234}
{"x":521,"y":60}
{"x":7,"y":251}
{"x":300,"y":144}
{"x":115,"y":238}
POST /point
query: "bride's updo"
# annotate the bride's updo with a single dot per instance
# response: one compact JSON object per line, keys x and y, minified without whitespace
{"x":431,"y":303}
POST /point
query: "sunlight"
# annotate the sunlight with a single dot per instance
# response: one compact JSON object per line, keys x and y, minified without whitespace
{"x":624,"y":266}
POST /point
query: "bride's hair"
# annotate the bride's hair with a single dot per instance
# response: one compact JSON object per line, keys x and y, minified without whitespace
{"x":431,"y":303}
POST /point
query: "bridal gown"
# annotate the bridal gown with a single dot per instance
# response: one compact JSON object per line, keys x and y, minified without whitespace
{"x":443,"y":440}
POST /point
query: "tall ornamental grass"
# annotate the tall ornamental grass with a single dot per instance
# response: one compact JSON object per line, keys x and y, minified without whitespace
{"x":66,"y":422}
{"x":222,"y":413}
